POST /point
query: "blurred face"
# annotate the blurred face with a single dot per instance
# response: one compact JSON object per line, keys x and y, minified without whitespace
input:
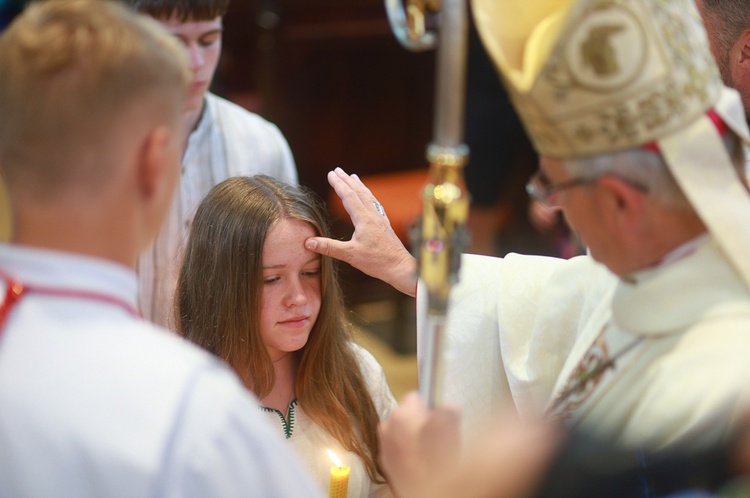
{"x":578,"y":205}
{"x":291,"y":288}
{"x":728,"y":59}
{"x":202,"y":39}
{"x":722,"y":59}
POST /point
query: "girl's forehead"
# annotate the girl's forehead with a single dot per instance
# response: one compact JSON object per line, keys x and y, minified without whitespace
{"x":285,"y":242}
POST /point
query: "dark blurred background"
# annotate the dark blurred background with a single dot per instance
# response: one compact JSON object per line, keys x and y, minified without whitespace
{"x":333,"y":78}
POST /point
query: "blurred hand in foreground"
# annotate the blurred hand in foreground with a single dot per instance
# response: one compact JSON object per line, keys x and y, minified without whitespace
{"x":422,"y":455}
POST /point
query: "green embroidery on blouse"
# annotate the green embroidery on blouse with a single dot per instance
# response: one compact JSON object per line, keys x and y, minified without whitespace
{"x":286,"y":423}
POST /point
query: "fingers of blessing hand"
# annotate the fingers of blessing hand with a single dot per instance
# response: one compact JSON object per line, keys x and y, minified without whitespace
{"x":355,"y":184}
{"x":358,"y":200}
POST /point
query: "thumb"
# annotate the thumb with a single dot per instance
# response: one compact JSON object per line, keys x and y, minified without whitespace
{"x":327,"y":247}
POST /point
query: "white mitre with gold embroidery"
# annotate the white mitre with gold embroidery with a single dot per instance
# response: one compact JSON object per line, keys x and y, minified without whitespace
{"x":596,"y":76}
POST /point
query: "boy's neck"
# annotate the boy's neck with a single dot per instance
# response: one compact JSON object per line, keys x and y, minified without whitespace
{"x":193,"y":117}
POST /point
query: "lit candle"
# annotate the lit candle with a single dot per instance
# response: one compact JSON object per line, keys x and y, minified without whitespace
{"x":339,"y":478}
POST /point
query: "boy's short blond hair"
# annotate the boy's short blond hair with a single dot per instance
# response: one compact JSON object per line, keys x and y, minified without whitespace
{"x":69,"y":69}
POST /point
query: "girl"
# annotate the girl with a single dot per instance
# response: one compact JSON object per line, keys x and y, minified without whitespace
{"x":250,"y":292}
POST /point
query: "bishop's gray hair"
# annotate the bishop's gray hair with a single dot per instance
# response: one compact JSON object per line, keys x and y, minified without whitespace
{"x":648,"y":169}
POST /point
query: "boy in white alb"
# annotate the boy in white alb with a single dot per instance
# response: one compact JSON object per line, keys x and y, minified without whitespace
{"x":224,"y":140}
{"x":96,"y":401}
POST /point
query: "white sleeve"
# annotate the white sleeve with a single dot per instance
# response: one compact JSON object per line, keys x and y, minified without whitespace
{"x":376,"y":382}
{"x":382,"y":398}
{"x":223,"y":448}
{"x":511,"y":322}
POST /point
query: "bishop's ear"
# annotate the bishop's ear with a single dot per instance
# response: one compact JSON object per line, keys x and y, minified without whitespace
{"x":623,"y":201}
{"x":739,"y":60}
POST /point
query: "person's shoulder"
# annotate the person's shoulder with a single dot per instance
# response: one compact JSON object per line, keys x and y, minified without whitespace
{"x":210,"y":411}
{"x":371,"y":369}
{"x":364,"y":357}
{"x":374,"y":377}
{"x":231,"y":114}
{"x":212,"y":395}
{"x":484,"y":278}
{"x":169,"y":361}
{"x":202,"y":375}
{"x":222,"y":446}
{"x":253,"y":144}
{"x":162,"y":342}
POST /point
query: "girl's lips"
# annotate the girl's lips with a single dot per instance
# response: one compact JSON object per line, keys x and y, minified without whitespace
{"x":297,"y":321}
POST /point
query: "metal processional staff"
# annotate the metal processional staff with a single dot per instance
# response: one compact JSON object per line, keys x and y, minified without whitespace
{"x":443,"y":235}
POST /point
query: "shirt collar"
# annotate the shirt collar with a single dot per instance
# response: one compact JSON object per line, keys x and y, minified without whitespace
{"x":68,"y":271}
{"x":673,"y":295}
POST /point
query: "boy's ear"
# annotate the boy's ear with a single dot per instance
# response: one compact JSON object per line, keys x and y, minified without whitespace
{"x":740,"y":58}
{"x":153,"y":162}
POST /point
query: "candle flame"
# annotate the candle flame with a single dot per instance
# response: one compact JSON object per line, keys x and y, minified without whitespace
{"x":335,"y":459}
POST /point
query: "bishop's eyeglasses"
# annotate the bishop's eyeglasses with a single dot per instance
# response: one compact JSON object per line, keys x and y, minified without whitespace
{"x":542,"y":190}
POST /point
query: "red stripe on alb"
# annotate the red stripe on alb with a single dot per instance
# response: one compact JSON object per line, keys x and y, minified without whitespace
{"x":16,"y":290}
{"x":13,"y":293}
